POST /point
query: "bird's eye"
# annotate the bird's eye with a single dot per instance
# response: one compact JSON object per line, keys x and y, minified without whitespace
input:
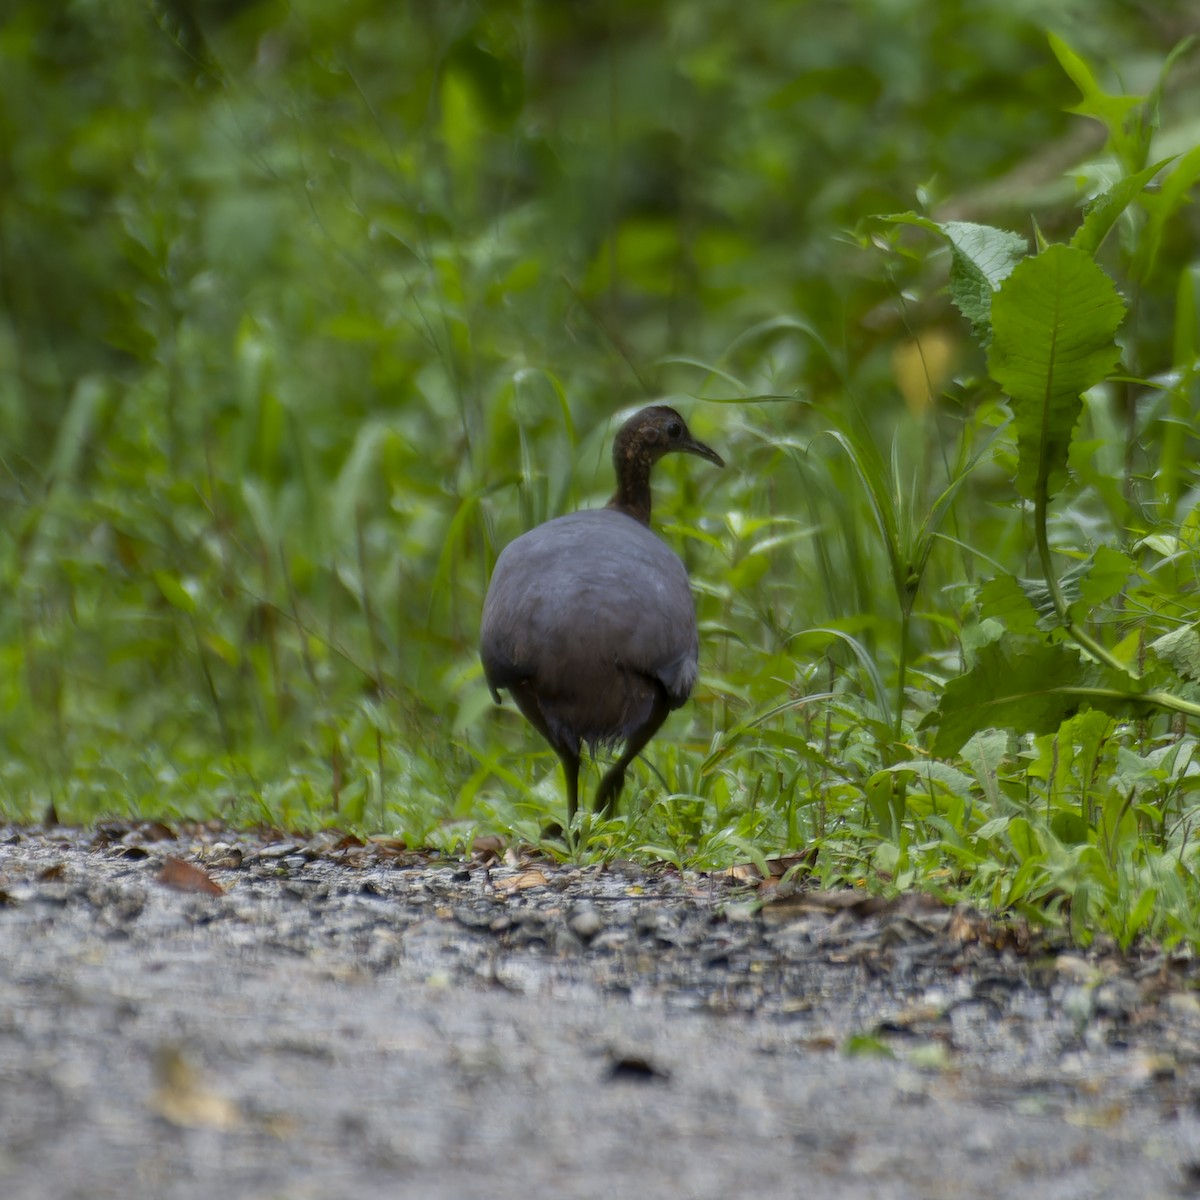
{"x":674,"y":430}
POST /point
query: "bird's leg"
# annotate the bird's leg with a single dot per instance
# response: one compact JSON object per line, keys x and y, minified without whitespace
{"x":568,"y":754}
{"x":570,"y":766}
{"x":614,"y":777}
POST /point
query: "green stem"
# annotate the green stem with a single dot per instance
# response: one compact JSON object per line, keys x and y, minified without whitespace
{"x":901,"y":671}
{"x":1171,"y":703}
{"x":1159,"y":699}
{"x":1081,"y":637}
{"x":1061,"y":608}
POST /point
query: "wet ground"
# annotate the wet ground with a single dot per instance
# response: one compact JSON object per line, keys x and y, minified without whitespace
{"x":215,"y":1015}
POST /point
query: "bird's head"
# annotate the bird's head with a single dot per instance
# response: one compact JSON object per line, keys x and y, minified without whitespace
{"x":653,"y":432}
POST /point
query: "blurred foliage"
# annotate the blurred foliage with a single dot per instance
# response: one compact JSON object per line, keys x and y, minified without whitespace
{"x":307,"y":309}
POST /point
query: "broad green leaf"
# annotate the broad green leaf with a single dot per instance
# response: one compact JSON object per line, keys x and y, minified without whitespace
{"x":1021,"y":683}
{"x":1105,"y":210}
{"x":993,"y":828}
{"x":931,"y":770}
{"x":1024,"y":605}
{"x":1069,"y":827}
{"x":1118,"y":823}
{"x":1066,"y":759}
{"x":1087,"y":733}
{"x":1004,"y":598}
{"x":1024,"y":841}
{"x":1106,"y":575}
{"x":1042,"y":598}
{"x":1084,"y":586}
{"x":1054,"y":322}
{"x":982,"y":257}
{"x":1180,"y":650}
{"x":984,"y":752}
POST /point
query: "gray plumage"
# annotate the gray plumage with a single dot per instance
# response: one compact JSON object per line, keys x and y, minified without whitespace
{"x":588,"y":597}
{"x":589,"y":621}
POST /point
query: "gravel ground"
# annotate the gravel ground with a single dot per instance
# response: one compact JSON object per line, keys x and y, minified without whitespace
{"x":210,"y":1015}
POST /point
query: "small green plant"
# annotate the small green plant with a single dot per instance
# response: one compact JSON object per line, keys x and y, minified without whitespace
{"x":1038,"y":664}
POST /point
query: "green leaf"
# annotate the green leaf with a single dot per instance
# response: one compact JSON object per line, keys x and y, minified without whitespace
{"x":1104,"y":211}
{"x":1069,"y":827}
{"x":1162,"y":205}
{"x":1111,"y":110}
{"x":930,"y":771}
{"x":1140,"y":915}
{"x":1025,"y":605}
{"x":1021,"y":683}
{"x":1041,"y":596}
{"x":1107,"y":574}
{"x":1084,"y":586}
{"x":993,"y":828}
{"x":982,"y":257}
{"x":984,"y":752}
{"x":76,"y":428}
{"x":175,"y":592}
{"x":1054,"y":321}
{"x":866,"y":1045}
{"x":1180,"y":650}
{"x":1005,"y":599}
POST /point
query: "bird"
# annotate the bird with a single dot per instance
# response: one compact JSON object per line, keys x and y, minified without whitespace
{"x":589,"y":622}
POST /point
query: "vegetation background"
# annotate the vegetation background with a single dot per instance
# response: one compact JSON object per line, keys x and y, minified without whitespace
{"x":306,"y":309}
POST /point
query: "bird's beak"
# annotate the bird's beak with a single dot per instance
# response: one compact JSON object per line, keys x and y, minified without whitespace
{"x":692,"y":446}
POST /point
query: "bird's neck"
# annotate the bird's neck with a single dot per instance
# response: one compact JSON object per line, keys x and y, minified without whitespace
{"x":632,"y":496}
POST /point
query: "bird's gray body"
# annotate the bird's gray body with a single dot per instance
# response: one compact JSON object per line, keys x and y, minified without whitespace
{"x":592,"y":614}
{"x":589,"y":621}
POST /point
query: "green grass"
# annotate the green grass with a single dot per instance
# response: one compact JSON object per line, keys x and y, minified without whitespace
{"x":306,"y":312}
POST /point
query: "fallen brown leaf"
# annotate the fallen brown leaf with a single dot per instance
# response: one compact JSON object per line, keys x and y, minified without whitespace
{"x":156,"y":831}
{"x":184,"y":877}
{"x":744,"y":873}
{"x":966,"y":926}
{"x":518,"y":883}
{"x":388,"y":847}
{"x":181,"y":1099}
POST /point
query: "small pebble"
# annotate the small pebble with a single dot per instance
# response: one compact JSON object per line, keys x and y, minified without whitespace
{"x":649,"y":920}
{"x":586,"y":922}
{"x":1117,"y":998}
{"x":1077,"y":969}
{"x":223,"y":854}
{"x":277,"y":850}
{"x":1077,"y":1004}
{"x":1183,"y":1005}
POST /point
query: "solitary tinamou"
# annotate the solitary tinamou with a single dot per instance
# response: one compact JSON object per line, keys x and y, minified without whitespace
{"x":589,"y":622}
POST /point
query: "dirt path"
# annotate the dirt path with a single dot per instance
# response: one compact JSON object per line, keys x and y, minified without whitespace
{"x":343,"y":1021}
